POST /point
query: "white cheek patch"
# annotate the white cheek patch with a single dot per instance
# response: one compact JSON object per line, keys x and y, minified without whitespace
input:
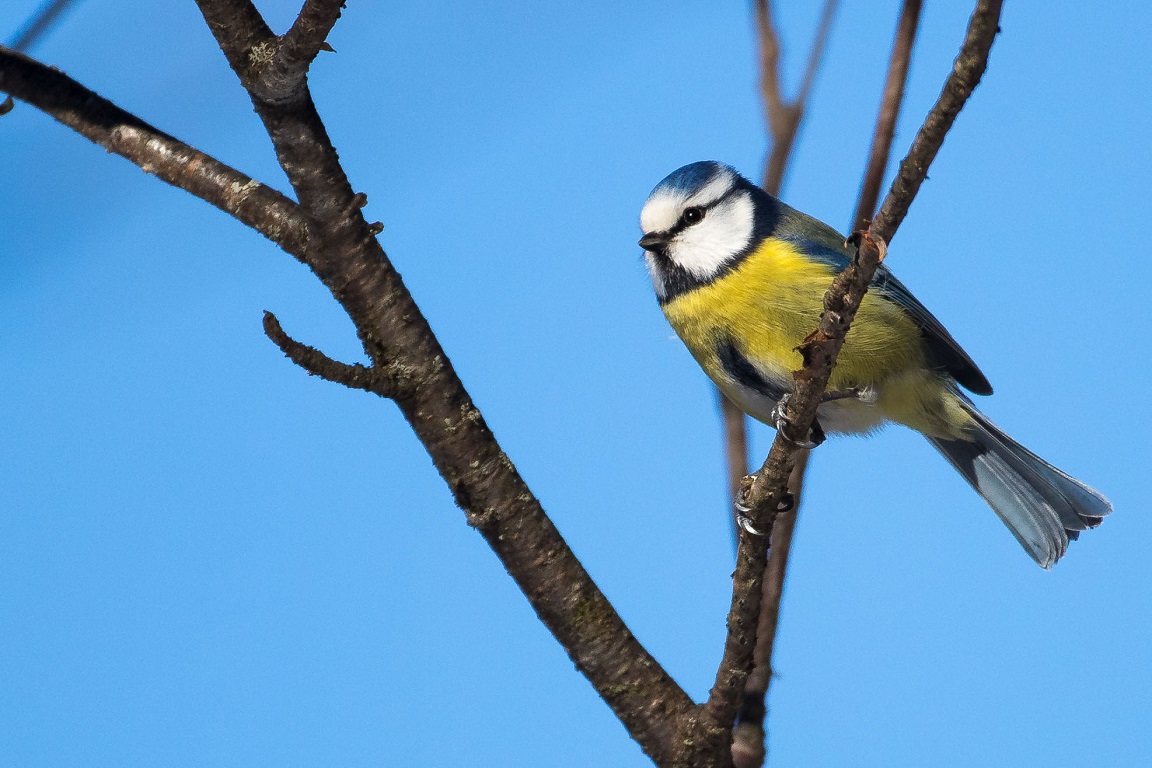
{"x":703,"y":249}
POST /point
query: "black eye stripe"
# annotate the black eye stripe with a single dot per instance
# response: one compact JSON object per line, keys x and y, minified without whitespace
{"x":682,"y":224}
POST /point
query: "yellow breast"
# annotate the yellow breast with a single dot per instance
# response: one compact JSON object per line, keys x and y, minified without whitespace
{"x":771,"y":301}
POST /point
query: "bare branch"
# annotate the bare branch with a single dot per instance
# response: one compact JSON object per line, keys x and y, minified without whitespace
{"x":889,"y":111}
{"x":389,"y":383}
{"x":816,"y":54}
{"x":748,"y":741}
{"x":966,"y":73}
{"x":768,"y":493}
{"x":309,"y":34}
{"x":784,"y":116}
{"x":771,"y":91}
{"x":264,"y":209}
{"x":784,"y":124}
{"x":486,"y":485}
{"x":340,"y":248}
{"x":750,"y":731}
{"x":784,"y":120}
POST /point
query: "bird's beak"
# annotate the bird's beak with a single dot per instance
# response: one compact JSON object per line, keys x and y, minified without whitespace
{"x":654,"y":242}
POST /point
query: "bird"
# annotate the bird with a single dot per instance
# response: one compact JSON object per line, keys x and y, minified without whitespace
{"x":740,"y":277}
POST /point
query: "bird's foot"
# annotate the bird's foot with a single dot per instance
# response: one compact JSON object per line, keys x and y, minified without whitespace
{"x":784,"y":427}
{"x":743,"y":508}
{"x":744,"y":521}
{"x":866,"y":395}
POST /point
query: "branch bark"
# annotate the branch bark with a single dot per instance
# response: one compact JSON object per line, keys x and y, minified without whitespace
{"x":350,"y":262}
{"x":748,"y":743}
{"x":783,"y":118}
{"x":889,"y":111}
{"x":768,"y":493}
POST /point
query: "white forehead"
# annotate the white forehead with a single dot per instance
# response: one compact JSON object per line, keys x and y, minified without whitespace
{"x":664,"y":207}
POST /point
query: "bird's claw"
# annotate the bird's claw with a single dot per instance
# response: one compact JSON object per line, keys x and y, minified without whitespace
{"x":784,"y":426}
{"x":747,"y":525}
{"x":742,"y":506}
{"x":744,"y":521}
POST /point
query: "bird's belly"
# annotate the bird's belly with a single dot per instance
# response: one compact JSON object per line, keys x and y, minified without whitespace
{"x":850,"y":415}
{"x":853,"y":415}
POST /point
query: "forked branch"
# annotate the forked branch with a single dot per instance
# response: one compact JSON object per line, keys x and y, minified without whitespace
{"x":768,"y":494}
{"x":748,"y":743}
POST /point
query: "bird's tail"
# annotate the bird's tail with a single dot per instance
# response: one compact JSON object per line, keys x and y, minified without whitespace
{"x":1042,"y":506}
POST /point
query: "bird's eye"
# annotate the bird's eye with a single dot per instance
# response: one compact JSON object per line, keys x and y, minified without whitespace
{"x":693,"y":215}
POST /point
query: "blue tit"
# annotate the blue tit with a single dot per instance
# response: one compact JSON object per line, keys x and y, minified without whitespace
{"x":741,"y":277}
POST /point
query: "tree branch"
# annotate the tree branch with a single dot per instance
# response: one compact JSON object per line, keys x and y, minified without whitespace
{"x":308,"y":35}
{"x":966,"y":73}
{"x":768,"y":494}
{"x":784,"y":118}
{"x":381,"y":381}
{"x":495,"y":499}
{"x":889,"y":111}
{"x":784,"y":125}
{"x":329,"y":234}
{"x":264,"y":209}
{"x":748,"y":746}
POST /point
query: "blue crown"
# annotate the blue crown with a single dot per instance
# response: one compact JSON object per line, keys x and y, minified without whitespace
{"x":694,"y":176}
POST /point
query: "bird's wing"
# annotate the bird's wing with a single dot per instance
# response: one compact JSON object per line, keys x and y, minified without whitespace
{"x":943,"y":350}
{"x":825,"y":244}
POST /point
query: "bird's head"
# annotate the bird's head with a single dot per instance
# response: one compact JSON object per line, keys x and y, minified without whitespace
{"x":697,"y":223}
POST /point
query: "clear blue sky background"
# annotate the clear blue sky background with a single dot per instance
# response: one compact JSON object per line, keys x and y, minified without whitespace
{"x":208,"y":558}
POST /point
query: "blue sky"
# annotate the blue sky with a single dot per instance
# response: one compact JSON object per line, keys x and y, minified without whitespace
{"x":209,"y":558}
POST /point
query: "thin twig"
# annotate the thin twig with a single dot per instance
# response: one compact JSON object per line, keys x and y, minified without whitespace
{"x":816,"y":55}
{"x":768,"y":494}
{"x":753,"y":709}
{"x":389,"y":383}
{"x":39,"y":24}
{"x":966,"y":73}
{"x":784,"y":116}
{"x":889,"y":112}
